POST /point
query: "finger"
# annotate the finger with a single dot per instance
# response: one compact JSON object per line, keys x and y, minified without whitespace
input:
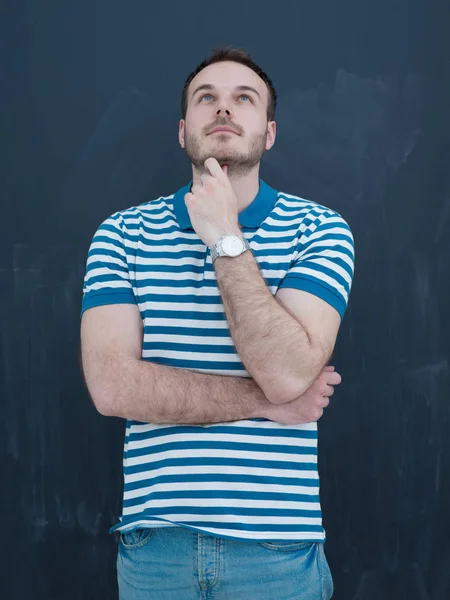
{"x":329,"y":391}
{"x":206,"y":178}
{"x":333,"y":378}
{"x":325,"y":402}
{"x":225,"y":169}
{"x":329,"y":368}
{"x":213,"y":167}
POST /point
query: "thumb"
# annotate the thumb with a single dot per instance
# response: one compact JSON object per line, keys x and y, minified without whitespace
{"x":225,"y":169}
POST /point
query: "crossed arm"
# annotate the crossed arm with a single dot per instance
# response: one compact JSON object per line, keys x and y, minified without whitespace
{"x":283,"y":341}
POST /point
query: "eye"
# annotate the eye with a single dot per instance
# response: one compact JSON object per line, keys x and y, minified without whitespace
{"x":206,"y":96}
{"x":246,"y":97}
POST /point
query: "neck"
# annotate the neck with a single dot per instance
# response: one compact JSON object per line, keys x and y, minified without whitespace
{"x":245,"y":187}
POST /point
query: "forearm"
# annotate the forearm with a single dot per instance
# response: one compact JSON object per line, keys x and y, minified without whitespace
{"x":152,"y":393}
{"x":272,"y":344}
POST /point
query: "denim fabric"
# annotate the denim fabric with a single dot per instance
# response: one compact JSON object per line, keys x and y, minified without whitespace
{"x":176,"y":563}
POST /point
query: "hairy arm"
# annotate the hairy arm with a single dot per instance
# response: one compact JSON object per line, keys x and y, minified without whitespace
{"x":123,"y":385}
{"x":284,"y":342}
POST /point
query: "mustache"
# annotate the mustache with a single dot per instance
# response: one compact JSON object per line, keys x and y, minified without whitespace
{"x":222,"y":122}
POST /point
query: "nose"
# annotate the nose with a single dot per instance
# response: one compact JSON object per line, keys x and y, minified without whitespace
{"x":223,"y":111}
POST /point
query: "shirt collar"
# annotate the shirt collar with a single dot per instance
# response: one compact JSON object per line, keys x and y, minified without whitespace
{"x":252,"y":216}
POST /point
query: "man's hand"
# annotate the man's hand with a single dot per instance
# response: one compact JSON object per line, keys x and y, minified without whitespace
{"x":308,"y":407}
{"x":212,"y":205}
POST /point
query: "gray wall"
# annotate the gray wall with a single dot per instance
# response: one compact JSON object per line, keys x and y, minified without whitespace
{"x":90,"y":107}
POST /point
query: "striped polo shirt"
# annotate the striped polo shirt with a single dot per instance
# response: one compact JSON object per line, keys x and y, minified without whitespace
{"x":252,"y":479}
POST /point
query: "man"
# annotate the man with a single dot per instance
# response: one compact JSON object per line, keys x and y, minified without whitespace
{"x":209,"y":317}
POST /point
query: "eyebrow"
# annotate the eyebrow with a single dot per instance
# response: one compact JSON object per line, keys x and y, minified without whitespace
{"x":240,"y":88}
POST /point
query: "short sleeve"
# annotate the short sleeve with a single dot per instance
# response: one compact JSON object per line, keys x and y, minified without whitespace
{"x":107,"y":278}
{"x":323,"y":262}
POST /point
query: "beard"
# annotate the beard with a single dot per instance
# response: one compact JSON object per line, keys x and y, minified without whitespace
{"x":239,"y":163}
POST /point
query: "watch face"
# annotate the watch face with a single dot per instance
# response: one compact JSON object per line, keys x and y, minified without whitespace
{"x":232,"y":245}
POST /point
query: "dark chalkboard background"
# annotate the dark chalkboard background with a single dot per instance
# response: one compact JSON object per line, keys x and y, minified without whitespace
{"x":90,"y":93}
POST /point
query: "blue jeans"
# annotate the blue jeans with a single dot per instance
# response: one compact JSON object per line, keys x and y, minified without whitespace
{"x":176,"y":563}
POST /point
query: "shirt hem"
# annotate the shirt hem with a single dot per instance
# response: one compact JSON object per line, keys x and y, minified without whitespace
{"x":306,"y":536}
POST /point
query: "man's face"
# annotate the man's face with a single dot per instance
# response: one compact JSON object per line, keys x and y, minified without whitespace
{"x":227,"y":118}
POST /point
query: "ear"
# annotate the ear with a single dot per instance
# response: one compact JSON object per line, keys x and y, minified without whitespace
{"x":271,"y":134}
{"x":181,"y":133}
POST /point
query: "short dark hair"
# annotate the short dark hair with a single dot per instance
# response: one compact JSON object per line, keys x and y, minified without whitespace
{"x":237,"y":55}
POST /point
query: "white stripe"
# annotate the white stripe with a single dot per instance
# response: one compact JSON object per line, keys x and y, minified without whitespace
{"x":212,"y":470}
{"x":242,"y":423}
{"x":107,"y":271}
{"x":151,"y":216}
{"x":96,"y":245}
{"x":189,"y":339}
{"x":219,"y":502}
{"x":168,"y":261}
{"x":125,"y":285}
{"x":332,"y":267}
{"x":180,"y":306}
{"x":322,"y":277}
{"x":192,"y":354}
{"x":188,"y":277}
{"x":210,"y":324}
{"x":249,"y":535}
{"x":318,"y":233}
{"x":219,"y":518}
{"x":173,"y":291}
{"x":220,"y":486}
{"x":224,"y":437}
{"x":106,"y":260}
{"x":216,"y":453}
{"x":168,"y":235}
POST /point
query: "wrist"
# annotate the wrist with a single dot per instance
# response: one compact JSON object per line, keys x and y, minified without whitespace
{"x":234,"y":230}
{"x":261,"y":406}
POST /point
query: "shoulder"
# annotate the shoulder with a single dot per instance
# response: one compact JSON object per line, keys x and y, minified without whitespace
{"x":310,"y":214}
{"x":148,"y":213}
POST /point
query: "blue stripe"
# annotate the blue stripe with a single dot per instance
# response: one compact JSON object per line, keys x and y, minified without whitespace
{"x":199,"y":283}
{"x":237,"y":510}
{"x":222,"y":477}
{"x":214,"y":444}
{"x":302,"y":282}
{"x":189,"y":347}
{"x":318,"y":268}
{"x":188,"y":331}
{"x":219,"y":495}
{"x":187,"y":241}
{"x":102,"y":299}
{"x":187,"y":315}
{"x":99,"y":264}
{"x":339,"y":262}
{"x":108,"y":278}
{"x":197,"y":364}
{"x":216,"y":429}
{"x":217,"y":461}
{"x":107,"y":240}
{"x":181,"y":298}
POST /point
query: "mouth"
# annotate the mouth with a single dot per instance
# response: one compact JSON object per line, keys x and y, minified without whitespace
{"x":223,"y":130}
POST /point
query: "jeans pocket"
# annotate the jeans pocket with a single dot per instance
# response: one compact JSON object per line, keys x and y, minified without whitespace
{"x":325,"y":575}
{"x":286,"y":546}
{"x":137,"y":538}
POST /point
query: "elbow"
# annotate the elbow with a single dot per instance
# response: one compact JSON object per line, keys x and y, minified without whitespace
{"x":104,"y":408}
{"x":104,"y":401}
{"x":283,"y":392}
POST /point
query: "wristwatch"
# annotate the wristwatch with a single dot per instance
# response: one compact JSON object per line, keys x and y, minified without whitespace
{"x":229,"y":245}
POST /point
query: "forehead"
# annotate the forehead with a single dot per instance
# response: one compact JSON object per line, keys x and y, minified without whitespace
{"x":228,"y":75}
